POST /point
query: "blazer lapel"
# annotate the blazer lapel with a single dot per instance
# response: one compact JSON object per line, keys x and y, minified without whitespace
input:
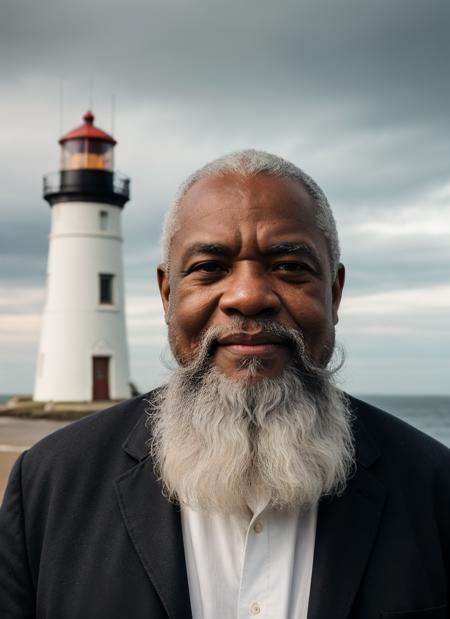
{"x":154,"y":527}
{"x":346,"y":531}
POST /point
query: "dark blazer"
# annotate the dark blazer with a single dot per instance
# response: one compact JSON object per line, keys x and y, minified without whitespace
{"x":86,"y":532}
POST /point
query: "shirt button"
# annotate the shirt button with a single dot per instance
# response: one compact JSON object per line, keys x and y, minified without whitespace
{"x":258,"y":527}
{"x":255,"y":608}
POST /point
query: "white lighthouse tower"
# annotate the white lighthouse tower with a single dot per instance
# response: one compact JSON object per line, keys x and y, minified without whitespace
{"x":83,"y":352}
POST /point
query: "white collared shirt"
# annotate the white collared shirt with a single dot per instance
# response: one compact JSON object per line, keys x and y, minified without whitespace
{"x":248,"y":565}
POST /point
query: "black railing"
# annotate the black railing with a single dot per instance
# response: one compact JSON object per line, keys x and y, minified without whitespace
{"x":87,"y":184}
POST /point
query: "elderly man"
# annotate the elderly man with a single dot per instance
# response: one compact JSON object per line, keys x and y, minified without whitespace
{"x":249,"y":484}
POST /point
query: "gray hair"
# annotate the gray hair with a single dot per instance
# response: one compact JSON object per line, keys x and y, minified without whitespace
{"x":251,"y":162}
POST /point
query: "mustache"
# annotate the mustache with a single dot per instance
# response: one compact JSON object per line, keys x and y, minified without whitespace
{"x":292,"y":338}
{"x":311,"y":374}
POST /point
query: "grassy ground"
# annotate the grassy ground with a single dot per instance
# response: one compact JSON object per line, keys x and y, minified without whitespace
{"x":24,"y":406}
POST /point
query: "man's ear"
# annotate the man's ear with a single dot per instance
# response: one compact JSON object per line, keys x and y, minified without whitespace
{"x":164,"y":289}
{"x":338,"y":286}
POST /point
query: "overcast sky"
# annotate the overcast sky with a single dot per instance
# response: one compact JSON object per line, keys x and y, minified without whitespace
{"x":356,"y":93}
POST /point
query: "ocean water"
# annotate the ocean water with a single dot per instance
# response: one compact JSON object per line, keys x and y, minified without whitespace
{"x":430,"y":413}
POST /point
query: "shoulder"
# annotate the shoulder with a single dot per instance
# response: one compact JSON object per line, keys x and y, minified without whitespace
{"x":397,"y":441}
{"x":84,"y":443}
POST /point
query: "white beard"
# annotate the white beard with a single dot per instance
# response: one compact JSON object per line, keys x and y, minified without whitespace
{"x":219,"y":444}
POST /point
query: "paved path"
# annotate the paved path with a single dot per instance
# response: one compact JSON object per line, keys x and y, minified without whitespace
{"x":18,"y":434}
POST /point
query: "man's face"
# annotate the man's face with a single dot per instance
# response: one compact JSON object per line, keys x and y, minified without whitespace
{"x":249,"y":248}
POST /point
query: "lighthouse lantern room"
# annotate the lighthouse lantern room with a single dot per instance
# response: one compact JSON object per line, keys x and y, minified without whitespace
{"x":83,"y":354}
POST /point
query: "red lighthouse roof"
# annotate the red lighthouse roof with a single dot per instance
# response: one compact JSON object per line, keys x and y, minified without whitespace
{"x":87,"y":130}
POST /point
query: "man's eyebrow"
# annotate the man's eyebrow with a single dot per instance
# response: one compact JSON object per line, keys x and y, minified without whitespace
{"x":294,"y":247}
{"x":215,"y":249}
{"x":290,"y":247}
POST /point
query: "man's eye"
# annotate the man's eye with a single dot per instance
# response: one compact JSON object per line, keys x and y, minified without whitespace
{"x":294,"y":267}
{"x":207,"y":267}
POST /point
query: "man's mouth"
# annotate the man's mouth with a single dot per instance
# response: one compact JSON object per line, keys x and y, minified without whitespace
{"x":246,"y":344}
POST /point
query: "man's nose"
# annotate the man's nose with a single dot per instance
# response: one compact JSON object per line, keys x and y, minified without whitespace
{"x":249,"y":291}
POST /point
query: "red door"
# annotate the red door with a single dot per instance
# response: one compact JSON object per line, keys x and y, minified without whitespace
{"x":100,"y":367}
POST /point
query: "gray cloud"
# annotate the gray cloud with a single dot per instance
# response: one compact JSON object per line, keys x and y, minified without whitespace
{"x":390,"y":59}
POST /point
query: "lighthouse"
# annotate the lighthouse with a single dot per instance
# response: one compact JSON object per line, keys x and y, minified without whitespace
{"x":83,"y":354}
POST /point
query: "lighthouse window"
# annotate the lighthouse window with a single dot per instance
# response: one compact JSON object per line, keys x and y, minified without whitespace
{"x":72,"y":154}
{"x":106,"y":289}
{"x":103,"y":220}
